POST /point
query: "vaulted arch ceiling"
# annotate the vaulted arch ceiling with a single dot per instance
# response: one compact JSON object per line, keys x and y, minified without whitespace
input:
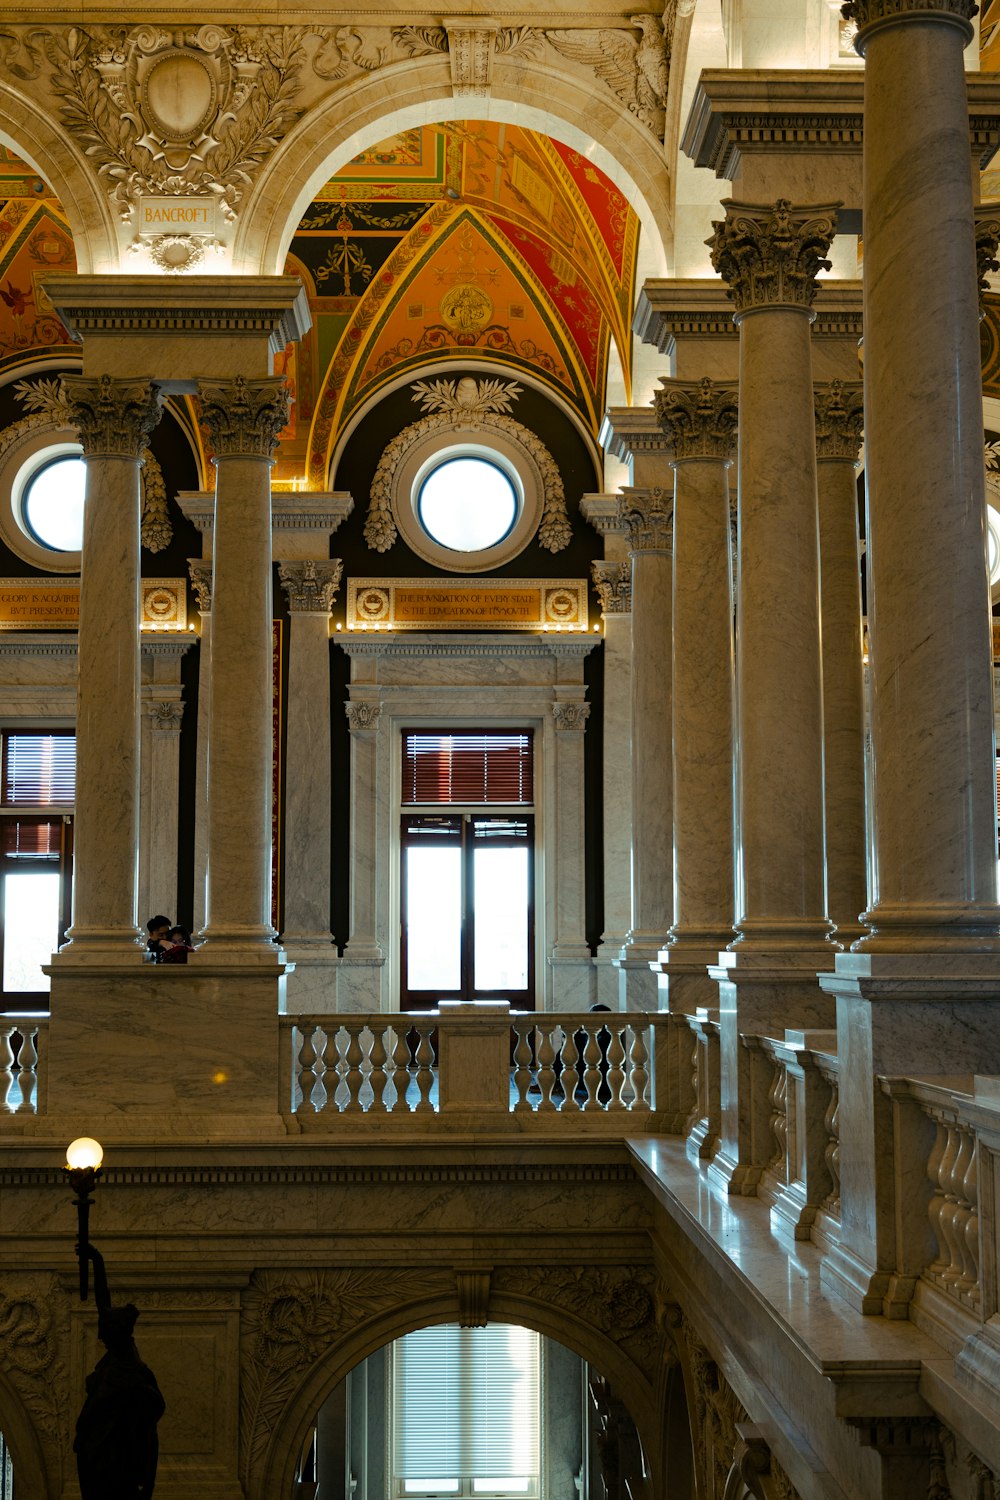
{"x":470,"y":239}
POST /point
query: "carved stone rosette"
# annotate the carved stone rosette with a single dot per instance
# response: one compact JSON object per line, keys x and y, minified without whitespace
{"x":869,"y":14}
{"x":840,"y":419}
{"x":114,"y":417}
{"x":699,"y":417}
{"x":310,"y":586}
{"x":571,"y":716}
{"x":987,"y":217}
{"x":613,"y":583}
{"x":362,"y":716}
{"x":647,"y":518}
{"x":244,"y":416}
{"x":200,"y":570}
{"x":769,"y":256}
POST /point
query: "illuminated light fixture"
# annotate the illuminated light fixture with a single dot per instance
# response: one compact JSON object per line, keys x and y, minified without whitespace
{"x":83,"y":1167}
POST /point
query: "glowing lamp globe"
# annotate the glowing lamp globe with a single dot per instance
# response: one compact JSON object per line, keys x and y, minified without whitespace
{"x":84,"y":1152}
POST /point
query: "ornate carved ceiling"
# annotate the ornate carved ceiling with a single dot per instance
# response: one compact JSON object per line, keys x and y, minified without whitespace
{"x":34,"y":241}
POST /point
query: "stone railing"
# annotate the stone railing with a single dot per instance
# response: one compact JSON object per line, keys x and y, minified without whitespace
{"x":478,"y":1060}
{"x":952,"y":1187}
{"x":21,"y":1078}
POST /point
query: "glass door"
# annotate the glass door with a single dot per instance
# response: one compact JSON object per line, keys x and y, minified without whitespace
{"x":468,"y":911}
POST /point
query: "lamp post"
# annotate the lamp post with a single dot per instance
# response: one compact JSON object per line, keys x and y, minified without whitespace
{"x":83,"y":1167}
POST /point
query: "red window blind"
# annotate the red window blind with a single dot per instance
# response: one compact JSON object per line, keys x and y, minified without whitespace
{"x":39,"y":770}
{"x":29,"y":838}
{"x":467,"y":769}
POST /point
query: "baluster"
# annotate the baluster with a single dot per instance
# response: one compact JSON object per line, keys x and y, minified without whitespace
{"x":961,"y":1267}
{"x":522,"y":1064}
{"x":952,"y":1257}
{"x":7,"y":1065}
{"x":27,"y":1059}
{"x":593,"y":1057}
{"x":778,"y":1096}
{"x":831,"y":1152}
{"x":378,"y":1079}
{"x":546,"y":1073}
{"x":638,"y":1073}
{"x":400,"y":1054}
{"x":565,"y":1072}
{"x":352,"y":1074}
{"x":936,"y":1206}
{"x":425,"y":1068}
{"x":616,"y":1070}
{"x":306,"y":1062}
{"x":971,"y":1189}
{"x":699,"y":1087}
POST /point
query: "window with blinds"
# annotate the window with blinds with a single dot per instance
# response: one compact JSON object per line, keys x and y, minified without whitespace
{"x":38,"y":770}
{"x":466,"y":768}
{"x":466,"y":1411}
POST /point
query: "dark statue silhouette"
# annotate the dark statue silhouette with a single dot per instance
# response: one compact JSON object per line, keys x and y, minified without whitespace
{"x":116,"y":1444}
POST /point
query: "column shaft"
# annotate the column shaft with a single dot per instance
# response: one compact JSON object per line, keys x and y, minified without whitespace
{"x":245,"y":418}
{"x":115,"y":417}
{"x":570,"y":962}
{"x":613,"y":581}
{"x":934,"y":827}
{"x":838,"y":435}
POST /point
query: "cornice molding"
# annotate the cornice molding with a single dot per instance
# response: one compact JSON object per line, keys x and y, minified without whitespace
{"x":627,"y":430}
{"x":668,"y":312}
{"x":414,"y":644}
{"x":291,"y":1174}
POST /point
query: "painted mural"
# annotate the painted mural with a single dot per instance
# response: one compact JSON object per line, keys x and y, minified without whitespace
{"x":34,"y":241}
{"x":449,"y":239}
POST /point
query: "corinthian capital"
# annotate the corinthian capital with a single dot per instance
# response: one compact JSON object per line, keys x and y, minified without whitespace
{"x":200,"y":570}
{"x":699,"y":417}
{"x":647,"y":518}
{"x":245,"y":416}
{"x":769,"y":256}
{"x":840,"y":419}
{"x":310,"y":586}
{"x":113,"y":416}
{"x":866,"y":14}
{"x":613,"y":582}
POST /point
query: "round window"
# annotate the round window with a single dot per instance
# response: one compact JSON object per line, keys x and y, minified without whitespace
{"x":52,"y":503}
{"x":467,"y":504}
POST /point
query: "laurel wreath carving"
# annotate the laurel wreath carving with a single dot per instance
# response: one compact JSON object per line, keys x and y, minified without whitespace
{"x":476,"y":404}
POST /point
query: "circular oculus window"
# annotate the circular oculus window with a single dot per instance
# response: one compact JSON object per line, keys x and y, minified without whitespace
{"x":467,"y":504}
{"x":51,"y":502}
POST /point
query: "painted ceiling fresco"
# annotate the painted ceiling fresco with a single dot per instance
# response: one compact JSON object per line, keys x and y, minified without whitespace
{"x":453,"y":240}
{"x":34,"y":241}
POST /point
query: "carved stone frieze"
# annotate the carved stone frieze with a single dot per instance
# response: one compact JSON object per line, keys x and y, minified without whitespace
{"x":636,"y":71}
{"x":647,"y":517}
{"x":840,"y":419}
{"x":617,"y":1300}
{"x":699,"y":417}
{"x":362,"y":715}
{"x":244,"y":416}
{"x":200,"y":570}
{"x":30,"y":1318}
{"x":613,"y":582}
{"x":571,"y":716}
{"x":112,"y":416}
{"x":166,"y":714}
{"x":475,"y":404}
{"x":310,"y":586}
{"x":769,"y":256}
{"x":290,"y":1322}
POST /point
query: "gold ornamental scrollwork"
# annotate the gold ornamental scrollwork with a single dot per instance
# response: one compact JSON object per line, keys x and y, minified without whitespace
{"x":245,"y":417}
{"x":769,"y":256}
{"x":112,"y":416}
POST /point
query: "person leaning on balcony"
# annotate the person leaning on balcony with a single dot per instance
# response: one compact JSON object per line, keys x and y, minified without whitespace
{"x":158,"y":928}
{"x":176,"y":946}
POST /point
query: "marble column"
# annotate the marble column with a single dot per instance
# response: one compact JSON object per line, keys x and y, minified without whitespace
{"x":769,"y":257}
{"x":159,"y":802}
{"x":359,"y":985}
{"x":839,"y":423}
{"x":571,"y":965}
{"x":200,"y":570}
{"x":918,"y":993}
{"x":647,"y":516}
{"x":699,"y":418}
{"x":310,"y":586}
{"x":613,"y":582}
{"x":115,"y":418}
{"x":244,"y":418}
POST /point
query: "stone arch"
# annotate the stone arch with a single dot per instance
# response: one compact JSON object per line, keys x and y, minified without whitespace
{"x":273,"y":1477}
{"x":29,"y":131}
{"x":539,"y":98}
{"x":21,"y":1436}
